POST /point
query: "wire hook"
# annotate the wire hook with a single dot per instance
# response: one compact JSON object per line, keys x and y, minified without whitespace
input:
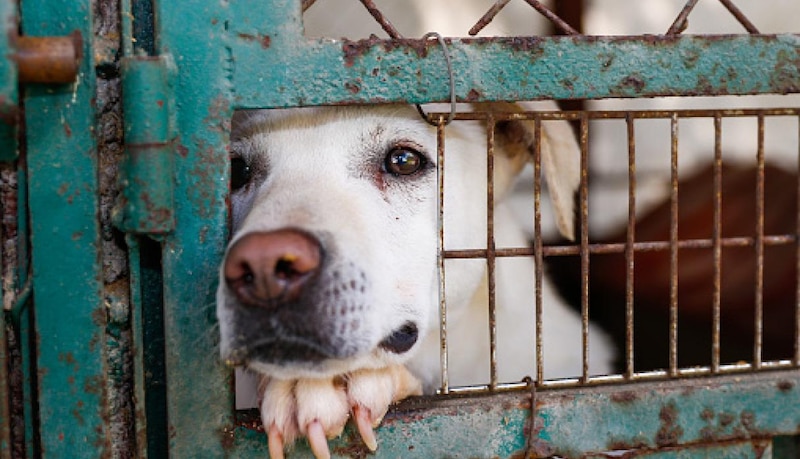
{"x":450,"y":74}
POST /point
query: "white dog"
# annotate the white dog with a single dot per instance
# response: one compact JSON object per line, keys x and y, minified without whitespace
{"x":329,"y":288}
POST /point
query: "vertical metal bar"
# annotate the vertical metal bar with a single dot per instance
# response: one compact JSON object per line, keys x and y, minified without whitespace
{"x":537,"y":244}
{"x":673,"y":249}
{"x":584,"y":242}
{"x":797,"y":265}
{"x":490,"y":251}
{"x":70,"y":313}
{"x":716,"y":241}
{"x":759,"y":248}
{"x":204,"y":94}
{"x":442,"y":303}
{"x":629,"y":252}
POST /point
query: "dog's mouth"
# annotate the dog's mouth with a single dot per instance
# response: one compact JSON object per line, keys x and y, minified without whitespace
{"x":290,"y":352}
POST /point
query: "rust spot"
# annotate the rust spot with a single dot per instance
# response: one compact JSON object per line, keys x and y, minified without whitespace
{"x":182,"y":151}
{"x":473,"y":95}
{"x":627,"y":396}
{"x":726,"y":419}
{"x":707,"y":414}
{"x":160,"y":103}
{"x":635,"y":82}
{"x":355,"y":49}
{"x":99,"y":316}
{"x":748,"y":420}
{"x":352,"y":86}
{"x":67,"y":130}
{"x":227,"y":437}
{"x":670,"y":432}
{"x":785,"y":386}
{"x":353,"y":446}
{"x":264,"y":40}
{"x":67,"y":358}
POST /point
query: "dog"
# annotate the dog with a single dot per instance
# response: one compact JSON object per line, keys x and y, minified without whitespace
{"x":329,"y":288}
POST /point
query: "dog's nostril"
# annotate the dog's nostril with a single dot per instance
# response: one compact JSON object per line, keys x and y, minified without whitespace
{"x":402,"y":339}
{"x":264,"y":268}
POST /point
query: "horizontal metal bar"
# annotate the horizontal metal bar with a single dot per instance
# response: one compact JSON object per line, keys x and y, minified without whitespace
{"x":619,"y":247}
{"x":517,"y":68}
{"x":619,"y":114}
{"x":573,"y":422}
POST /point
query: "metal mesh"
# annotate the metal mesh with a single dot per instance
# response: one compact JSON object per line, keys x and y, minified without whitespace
{"x":630,"y":247}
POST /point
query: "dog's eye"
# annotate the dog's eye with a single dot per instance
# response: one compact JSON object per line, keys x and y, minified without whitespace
{"x":241,"y":173}
{"x":403,"y":161}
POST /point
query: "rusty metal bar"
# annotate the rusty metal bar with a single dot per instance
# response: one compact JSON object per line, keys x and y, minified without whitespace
{"x":619,"y":247}
{"x":737,"y":13}
{"x":490,"y":252}
{"x":537,"y":245}
{"x":552,"y":17}
{"x":629,"y":252}
{"x":52,"y":60}
{"x":673,"y":249}
{"x":584,"y":242}
{"x":307,"y":4}
{"x":622,"y":114}
{"x":680,"y":23}
{"x":381,"y":19}
{"x":440,"y":136}
{"x":797,"y":244}
{"x":488,"y":17}
{"x":759,"y":248}
{"x":716,"y":239}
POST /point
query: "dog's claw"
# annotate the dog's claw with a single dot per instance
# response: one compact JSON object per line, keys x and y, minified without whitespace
{"x":363,"y":421}
{"x":275,"y":442}
{"x":316,"y":439}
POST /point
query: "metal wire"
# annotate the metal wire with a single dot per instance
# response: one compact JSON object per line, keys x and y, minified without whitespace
{"x":584,"y":242}
{"x":759,"y":248}
{"x":716,"y":239}
{"x":673,"y":249}
{"x":451,"y":77}
{"x":490,"y":250}
{"x":443,"y":358}
{"x":629,"y":249}
{"x":537,"y":246}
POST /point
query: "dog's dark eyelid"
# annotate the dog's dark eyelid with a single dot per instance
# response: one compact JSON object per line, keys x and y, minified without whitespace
{"x":241,"y":173}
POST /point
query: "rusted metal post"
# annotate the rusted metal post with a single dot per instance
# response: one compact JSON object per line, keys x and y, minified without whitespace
{"x":52,"y":60}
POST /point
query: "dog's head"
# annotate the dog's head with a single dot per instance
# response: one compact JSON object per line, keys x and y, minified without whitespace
{"x":333,"y":261}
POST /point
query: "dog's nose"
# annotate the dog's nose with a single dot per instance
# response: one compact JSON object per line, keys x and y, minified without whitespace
{"x":265,"y":268}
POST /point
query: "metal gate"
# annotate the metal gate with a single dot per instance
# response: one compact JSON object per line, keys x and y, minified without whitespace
{"x":109,"y":338}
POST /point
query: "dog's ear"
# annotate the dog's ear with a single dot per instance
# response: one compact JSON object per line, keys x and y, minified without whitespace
{"x":560,"y":156}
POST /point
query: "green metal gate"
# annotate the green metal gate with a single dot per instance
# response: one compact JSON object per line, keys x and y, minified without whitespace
{"x":104,"y":360}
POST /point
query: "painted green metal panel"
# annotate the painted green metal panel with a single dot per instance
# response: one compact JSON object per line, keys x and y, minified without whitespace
{"x":9,"y":97}
{"x":703,"y":417}
{"x":199,"y":390}
{"x":69,"y":310}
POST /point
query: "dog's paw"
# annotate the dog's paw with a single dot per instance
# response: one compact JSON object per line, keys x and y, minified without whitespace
{"x":318,"y":409}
